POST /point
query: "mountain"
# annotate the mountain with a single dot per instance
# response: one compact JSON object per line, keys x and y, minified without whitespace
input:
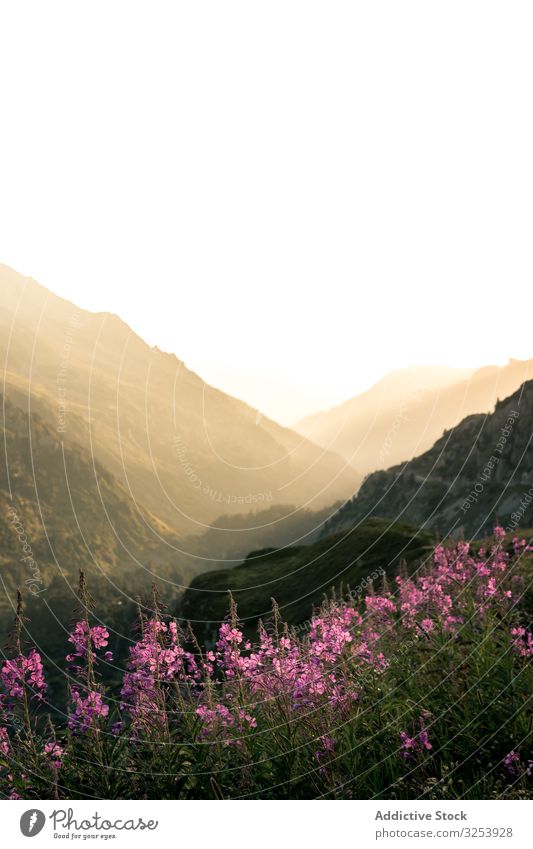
{"x":406,"y":412}
{"x":477,"y":474}
{"x":180,"y":448}
{"x":299,"y":577}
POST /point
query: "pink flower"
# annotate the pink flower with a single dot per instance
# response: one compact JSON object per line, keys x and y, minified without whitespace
{"x":511,"y":763}
{"x":408,"y":745}
{"x":499,"y":533}
{"x":220,"y":723}
{"x":156,"y":660}
{"x":4,"y":741}
{"x":417,"y":744}
{"x":522,"y":642}
{"x":99,"y":636}
{"x":380,"y":605}
{"x":24,"y":671}
{"x":54,"y":753}
{"x":84,"y":639}
{"x":87,"y":710}
{"x":423,"y":739}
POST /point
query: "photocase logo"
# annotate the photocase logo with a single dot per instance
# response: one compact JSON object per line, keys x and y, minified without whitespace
{"x":32,"y":822}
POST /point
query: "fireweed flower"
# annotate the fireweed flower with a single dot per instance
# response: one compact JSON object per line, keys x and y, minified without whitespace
{"x":88,"y":706}
{"x":499,"y":533}
{"x":54,"y":754}
{"x":382,"y":606}
{"x":4,"y":741}
{"x":85,"y":639}
{"x":79,"y":638}
{"x":522,"y":641}
{"x":322,"y":670}
{"x":221,"y":723}
{"x":327,"y":746}
{"x":416,"y":745}
{"x":156,"y":660}
{"x":511,"y":763}
{"x":408,"y":745}
{"x":24,"y":671}
{"x":88,"y":709}
{"x":436,"y":600}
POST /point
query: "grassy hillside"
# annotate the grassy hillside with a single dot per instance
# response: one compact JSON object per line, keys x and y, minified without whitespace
{"x":298,"y":577}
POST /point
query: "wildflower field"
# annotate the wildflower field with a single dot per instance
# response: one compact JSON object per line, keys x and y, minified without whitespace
{"x":421,"y":689}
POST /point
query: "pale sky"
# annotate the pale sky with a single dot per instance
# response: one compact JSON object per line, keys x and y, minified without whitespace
{"x":294,"y":197}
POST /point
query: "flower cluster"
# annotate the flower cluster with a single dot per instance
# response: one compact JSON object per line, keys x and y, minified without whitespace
{"x":515,"y":766}
{"x":88,"y":705}
{"x":219,"y":721}
{"x":439,"y":598}
{"x":522,"y":641}
{"x":156,"y":660}
{"x":87,"y":710}
{"x":303,"y":672}
{"x":24,"y":671}
{"x":85,"y":639}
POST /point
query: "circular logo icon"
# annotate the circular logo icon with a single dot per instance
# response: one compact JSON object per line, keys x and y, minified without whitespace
{"x":32,"y":822}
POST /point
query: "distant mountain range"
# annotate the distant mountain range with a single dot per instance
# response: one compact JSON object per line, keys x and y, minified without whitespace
{"x":120,"y":461}
{"x":182,"y":450}
{"x":478,"y":473}
{"x":405,"y":413}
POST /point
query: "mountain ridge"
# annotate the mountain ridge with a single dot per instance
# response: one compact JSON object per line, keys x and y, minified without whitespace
{"x":382,"y":427}
{"x":475,"y":475}
{"x":174,"y":442}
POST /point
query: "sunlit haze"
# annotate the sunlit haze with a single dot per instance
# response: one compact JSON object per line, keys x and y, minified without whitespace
{"x":293,"y":224}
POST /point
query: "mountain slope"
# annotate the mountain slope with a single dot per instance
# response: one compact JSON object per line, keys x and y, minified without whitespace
{"x":402,"y":415}
{"x":61,"y":511}
{"x":476,"y":474}
{"x":63,"y":495}
{"x":181,"y":448}
{"x":232,"y":537}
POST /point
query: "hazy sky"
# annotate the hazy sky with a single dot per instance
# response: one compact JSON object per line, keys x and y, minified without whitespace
{"x":293,"y":197}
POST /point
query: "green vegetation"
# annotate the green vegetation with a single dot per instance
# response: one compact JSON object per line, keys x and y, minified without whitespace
{"x":423,"y":691}
{"x":298,"y":577}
